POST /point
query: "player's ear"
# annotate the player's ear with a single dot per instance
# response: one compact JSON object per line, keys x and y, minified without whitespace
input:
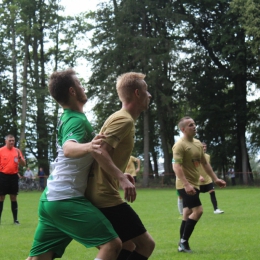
{"x":72,"y":91}
{"x":137,"y":92}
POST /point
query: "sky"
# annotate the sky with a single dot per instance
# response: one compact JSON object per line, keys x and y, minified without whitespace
{"x":77,"y":6}
{"x":74,"y":7}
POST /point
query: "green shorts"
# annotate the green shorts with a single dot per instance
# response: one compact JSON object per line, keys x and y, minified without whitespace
{"x":177,"y":192}
{"x":64,"y":220}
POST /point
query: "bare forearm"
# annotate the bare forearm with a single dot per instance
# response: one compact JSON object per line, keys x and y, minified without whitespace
{"x":209,"y":171}
{"x":22,"y":162}
{"x":106,"y":163}
{"x":76,"y":150}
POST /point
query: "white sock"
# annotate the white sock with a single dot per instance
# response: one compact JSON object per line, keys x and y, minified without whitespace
{"x":97,"y":259}
{"x":180,"y":206}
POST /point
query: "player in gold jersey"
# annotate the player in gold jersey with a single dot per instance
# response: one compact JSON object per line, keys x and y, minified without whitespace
{"x":206,"y":184}
{"x":108,"y":172}
{"x":188,"y":155}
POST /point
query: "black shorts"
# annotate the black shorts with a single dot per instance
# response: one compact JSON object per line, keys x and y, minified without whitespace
{"x":8,"y":184}
{"x":190,"y":201}
{"x":125,"y":221}
{"x":207,"y":187}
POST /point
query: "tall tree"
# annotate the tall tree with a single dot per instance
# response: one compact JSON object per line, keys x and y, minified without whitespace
{"x":212,"y":26}
{"x":137,"y":35}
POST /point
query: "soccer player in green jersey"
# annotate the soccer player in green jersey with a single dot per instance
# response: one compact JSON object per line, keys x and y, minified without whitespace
{"x":64,"y":213}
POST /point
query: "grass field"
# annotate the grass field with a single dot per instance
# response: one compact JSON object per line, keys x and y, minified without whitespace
{"x":232,"y":235}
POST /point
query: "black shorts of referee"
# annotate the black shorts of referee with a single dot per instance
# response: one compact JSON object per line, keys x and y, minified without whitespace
{"x":9,"y":184}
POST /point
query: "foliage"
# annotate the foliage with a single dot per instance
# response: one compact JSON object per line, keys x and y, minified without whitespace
{"x":200,"y":59}
{"x":216,"y":72}
{"x":40,"y":40}
{"x":137,"y":36}
{"x":249,"y":13}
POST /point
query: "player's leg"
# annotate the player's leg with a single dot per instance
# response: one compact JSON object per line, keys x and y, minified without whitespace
{"x":192,"y":205}
{"x":3,"y":187}
{"x":44,"y":256}
{"x":214,"y":201}
{"x":179,"y":203}
{"x":13,"y":191}
{"x":144,"y":246}
{"x":109,"y":250}
{"x":87,"y":225}
{"x":129,"y":227}
{"x":2,"y":198}
{"x":49,"y":241}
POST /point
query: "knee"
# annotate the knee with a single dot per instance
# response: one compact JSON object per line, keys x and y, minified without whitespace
{"x":118,"y":244}
{"x":13,"y":197}
{"x":199,"y":213}
{"x":147,"y":242}
{"x":151,"y":244}
{"x":129,"y":246}
{"x":115,"y":245}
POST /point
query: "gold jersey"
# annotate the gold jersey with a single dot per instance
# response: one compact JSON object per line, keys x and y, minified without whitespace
{"x":102,"y":189}
{"x":189,"y":155}
{"x":131,"y":166}
{"x":207,"y":178}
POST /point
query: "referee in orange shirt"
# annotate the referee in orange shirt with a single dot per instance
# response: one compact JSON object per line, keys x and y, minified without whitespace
{"x":10,"y":158}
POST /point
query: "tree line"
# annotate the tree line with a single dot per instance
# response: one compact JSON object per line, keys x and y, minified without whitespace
{"x":200,"y":58}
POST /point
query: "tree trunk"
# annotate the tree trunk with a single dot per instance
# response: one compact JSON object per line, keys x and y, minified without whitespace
{"x":13,"y":102}
{"x":241,"y":118}
{"x":145,"y":182}
{"x":22,"y":141}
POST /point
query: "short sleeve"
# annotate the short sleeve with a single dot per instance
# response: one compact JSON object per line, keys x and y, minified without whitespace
{"x":117,"y":130}
{"x":75,"y":130}
{"x":177,"y":153}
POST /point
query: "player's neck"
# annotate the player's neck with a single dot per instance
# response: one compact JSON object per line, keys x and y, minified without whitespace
{"x":132,"y":110}
{"x":188,"y":138}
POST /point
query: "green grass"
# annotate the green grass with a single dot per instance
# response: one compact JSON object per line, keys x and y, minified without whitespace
{"x":232,"y":235}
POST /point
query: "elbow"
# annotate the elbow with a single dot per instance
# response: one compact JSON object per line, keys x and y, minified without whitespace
{"x":67,"y":153}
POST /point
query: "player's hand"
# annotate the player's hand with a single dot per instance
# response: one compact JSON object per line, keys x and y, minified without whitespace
{"x":130,"y":177}
{"x":202,"y":179}
{"x":220,"y":183}
{"x":189,"y":189}
{"x":97,"y":142}
{"x":129,"y":189}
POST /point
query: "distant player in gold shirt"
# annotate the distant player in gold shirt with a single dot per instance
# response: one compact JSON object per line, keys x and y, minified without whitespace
{"x":131,"y":166}
{"x":188,"y":155}
{"x":206,"y":184}
{"x":108,"y":173}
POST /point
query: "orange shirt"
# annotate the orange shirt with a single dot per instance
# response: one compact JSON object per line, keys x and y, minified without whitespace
{"x":9,"y":160}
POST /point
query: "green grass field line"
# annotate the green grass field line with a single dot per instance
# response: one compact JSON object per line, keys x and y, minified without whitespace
{"x":232,"y":235}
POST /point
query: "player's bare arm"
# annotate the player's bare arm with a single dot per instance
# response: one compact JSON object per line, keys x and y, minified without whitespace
{"x":130,"y":177}
{"x":21,"y":160}
{"x":177,"y":167}
{"x":106,"y":163}
{"x":73,"y":149}
{"x":138,"y":166}
{"x":208,"y":169}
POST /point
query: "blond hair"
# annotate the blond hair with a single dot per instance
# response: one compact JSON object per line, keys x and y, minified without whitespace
{"x":127,"y":83}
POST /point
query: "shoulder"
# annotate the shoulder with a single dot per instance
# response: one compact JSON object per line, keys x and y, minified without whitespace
{"x":120,"y":119}
{"x":207,"y":155}
{"x":181,"y":143}
{"x":3,"y":148}
{"x":197,"y":141}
